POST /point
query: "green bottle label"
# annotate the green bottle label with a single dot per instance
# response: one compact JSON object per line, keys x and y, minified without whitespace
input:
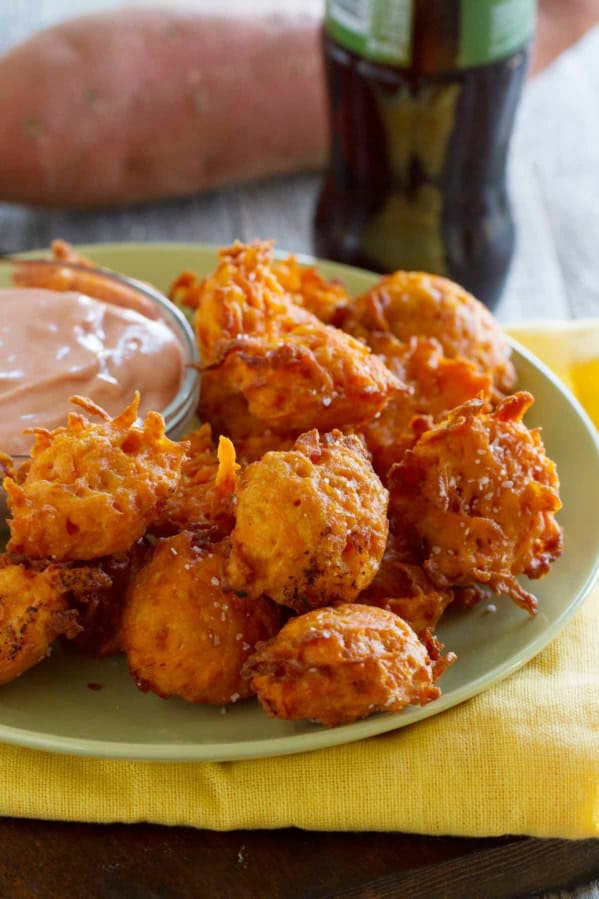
{"x":493,"y":29}
{"x":376,"y":29}
{"x":382,"y":30}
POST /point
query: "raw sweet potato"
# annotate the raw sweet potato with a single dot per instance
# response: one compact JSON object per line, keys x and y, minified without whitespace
{"x":139,"y":104}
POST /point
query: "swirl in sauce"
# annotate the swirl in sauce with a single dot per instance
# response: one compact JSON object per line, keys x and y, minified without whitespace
{"x":55,"y":344}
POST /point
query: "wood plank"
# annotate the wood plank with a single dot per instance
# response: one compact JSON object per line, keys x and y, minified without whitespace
{"x":517,"y":868}
{"x":210,"y":218}
{"x":45,"y":860}
{"x":50,"y":860}
{"x":280,"y":208}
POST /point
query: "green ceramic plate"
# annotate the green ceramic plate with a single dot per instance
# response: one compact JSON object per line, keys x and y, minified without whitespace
{"x":53,"y":708}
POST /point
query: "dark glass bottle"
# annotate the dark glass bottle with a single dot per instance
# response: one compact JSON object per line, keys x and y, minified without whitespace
{"x":422,"y":98}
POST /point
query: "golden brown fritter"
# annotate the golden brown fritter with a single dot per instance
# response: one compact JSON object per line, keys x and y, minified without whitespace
{"x":184,"y":290}
{"x":327,"y":300}
{"x":255,"y":446}
{"x":92,"y":490}
{"x":304,"y":285}
{"x":100,"y":608}
{"x":335,"y":666}
{"x":225,"y":411}
{"x":62,"y":251}
{"x":204,"y":496}
{"x":476,"y":498}
{"x":311,"y":523}
{"x":308,"y":378}
{"x":93,"y":595}
{"x":240,"y":299}
{"x":184,"y":636}
{"x":34,"y":611}
{"x":410,"y":304}
{"x":294,"y":371}
{"x":405,"y":589}
{"x":221,"y":405}
{"x":7,"y":466}
{"x":228,"y":415}
{"x":435,"y":384}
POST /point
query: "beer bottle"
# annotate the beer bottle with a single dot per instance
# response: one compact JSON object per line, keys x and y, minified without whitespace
{"x":422,"y":98}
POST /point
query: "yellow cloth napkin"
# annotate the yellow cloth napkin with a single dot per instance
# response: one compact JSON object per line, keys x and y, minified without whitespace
{"x":521,"y":758}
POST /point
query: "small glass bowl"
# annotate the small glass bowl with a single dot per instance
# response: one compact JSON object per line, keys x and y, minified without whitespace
{"x":113,"y":288}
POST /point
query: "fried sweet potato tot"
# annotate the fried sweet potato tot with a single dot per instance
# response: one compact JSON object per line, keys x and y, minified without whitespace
{"x":100,"y":609}
{"x":240,"y":300}
{"x":405,"y":589}
{"x":476,"y":499}
{"x":409,"y":304}
{"x":327,"y":300}
{"x":62,"y":251}
{"x":255,"y":446}
{"x":7,"y":466}
{"x":335,"y":666}
{"x":92,"y":490}
{"x":229,"y":416}
{"x":435,"y":384}
{"x":225,"y":411}
{"x":184,"y":636}
{"x":311,"y":523}
{"x":305,"y":286}
{"x":34,"y":611}
{"x":222,"y":405}
{"x":185,"y":290}
{"x":204,"y":497}
{"x":294,"y":371}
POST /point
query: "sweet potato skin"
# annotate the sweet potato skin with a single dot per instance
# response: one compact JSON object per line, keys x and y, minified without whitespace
{"x":136,"y":105}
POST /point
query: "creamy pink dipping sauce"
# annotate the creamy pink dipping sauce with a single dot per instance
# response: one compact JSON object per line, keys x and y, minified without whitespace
{"x":53,"y":345}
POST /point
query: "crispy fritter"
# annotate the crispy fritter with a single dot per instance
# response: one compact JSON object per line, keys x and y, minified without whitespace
{"x":93,"y":595}
{"x":476,"y":499}
{"x":63,"y":251}
{"x":34,"y":611}
{"x":224,"y":410}
{"x":436,"y":384}
{"x":185,"y":289}
{"x":335,"y":666}
{"x":255,"y":446}
{"x":100,"y":610}
{"x":305,"y":286}
{"x":311,"y":523}
{"x":405,"y":589}
{"x":294,"y":371}
{"x":327,"y":300}
{"x":184,"y":636}
{"x":410,"y":304}
{"x":222,"y":405}
{"x":92,"y":490}
{"x":204,"y":497}
{"x":229,"y":416}
{"x":7,"y":466}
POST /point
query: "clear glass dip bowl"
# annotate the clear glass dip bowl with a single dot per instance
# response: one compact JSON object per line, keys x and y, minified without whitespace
{"x":119,"y":290}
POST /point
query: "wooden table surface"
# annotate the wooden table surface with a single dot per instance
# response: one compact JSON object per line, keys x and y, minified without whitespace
{"x":555,"y":186}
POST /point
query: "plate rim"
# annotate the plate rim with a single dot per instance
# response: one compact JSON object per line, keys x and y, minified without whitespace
{"x":327,"y":737}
